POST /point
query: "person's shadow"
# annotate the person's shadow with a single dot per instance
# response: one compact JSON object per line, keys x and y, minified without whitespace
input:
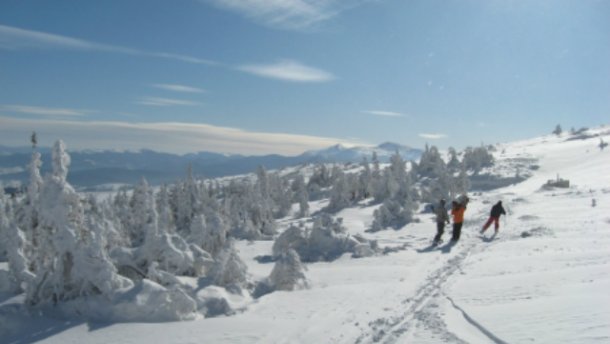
{"x":489,"y":239}
{"x":448,"y":246}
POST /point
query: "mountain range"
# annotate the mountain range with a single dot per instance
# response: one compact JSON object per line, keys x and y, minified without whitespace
{"x":93,"y":168}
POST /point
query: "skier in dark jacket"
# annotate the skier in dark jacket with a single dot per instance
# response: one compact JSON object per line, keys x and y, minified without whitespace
{"x":496,"y":211}
{"x":441,"y":219}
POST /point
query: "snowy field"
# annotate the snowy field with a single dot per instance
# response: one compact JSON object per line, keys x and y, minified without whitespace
{"x":543,"y":279}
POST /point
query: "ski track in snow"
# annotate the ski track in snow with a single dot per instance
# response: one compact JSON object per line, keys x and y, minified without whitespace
{"x":476,"y":324}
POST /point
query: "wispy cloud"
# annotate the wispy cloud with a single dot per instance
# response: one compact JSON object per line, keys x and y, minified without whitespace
{"x":44,"y":111}
{"x":385,"y":113}
{"x":159,"y":101}
{"x":432,"y":136}
{"x":12,"y":38}
{"x":166,"y":137}
{"x":287,"y":14}
{"x":288,"y":70}
{"x":179,"y":88}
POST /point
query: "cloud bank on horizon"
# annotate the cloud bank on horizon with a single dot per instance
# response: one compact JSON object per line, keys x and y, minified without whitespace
{"x":173,"y":137}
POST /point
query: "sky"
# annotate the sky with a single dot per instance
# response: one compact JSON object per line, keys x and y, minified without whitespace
{"x":286,"y":76}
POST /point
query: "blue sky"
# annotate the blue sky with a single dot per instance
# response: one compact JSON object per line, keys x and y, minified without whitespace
{"x":285,"y":76}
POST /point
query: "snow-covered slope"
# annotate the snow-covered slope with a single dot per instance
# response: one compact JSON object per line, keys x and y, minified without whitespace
{"x":543,"y":279}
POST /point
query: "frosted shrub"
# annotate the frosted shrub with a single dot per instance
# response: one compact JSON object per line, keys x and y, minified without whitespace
{"x":325,"y":241}
{"x":391,"y":214}
{"x":149,"y":301}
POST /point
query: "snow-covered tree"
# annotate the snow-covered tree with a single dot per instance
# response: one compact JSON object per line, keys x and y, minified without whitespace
{"x":139,"y":216}
{"x":73,"y":260}
{"x":461,"y":184}
{"x":397,"y":194}
{"x":365,"y":186}
{"x":210,"y":235}
{"x":340,"y":192}
{"x":557,"y":131}
{"x":229,"y":270}
{"x":164,"y":209}
{"x":171,"y":251}
{"x":250,"y":216}
{"x":18,"y":263}
{"x":477,"y":158}
{"x":187,"y":202}
{"x":300,"y":195}
{"x":454,"y":163}
{"x":288,"y":272}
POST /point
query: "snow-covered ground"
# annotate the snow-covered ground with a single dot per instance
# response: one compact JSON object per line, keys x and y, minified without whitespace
{"x":543,"y":279}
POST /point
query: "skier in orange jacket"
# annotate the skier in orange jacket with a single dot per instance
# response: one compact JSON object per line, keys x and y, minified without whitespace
{"x":457,"y":211}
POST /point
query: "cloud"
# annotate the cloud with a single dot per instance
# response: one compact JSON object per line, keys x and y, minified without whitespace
{"x":158,"y":101}
{"x":179,"y":88}
{"x":432,"y":136}
{"x":385,"y":113}
{"x":165,"y":137}
{"x":44,"y":111}
{"x":286,"y":14}
{"x":288,"y":70}
{"x":12,"y":38}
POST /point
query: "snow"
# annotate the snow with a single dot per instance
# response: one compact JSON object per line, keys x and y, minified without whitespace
{"x":544,"y":278}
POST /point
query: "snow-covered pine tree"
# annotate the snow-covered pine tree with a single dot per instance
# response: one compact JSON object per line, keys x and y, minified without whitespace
{"x":18,"y":264}
{"x":340,"y":194}
{"x":288,"y":272}
{"x":188,"y":202}
{"x":164,"y":209}
{"x":282,"y":196}
{"x":300,"y":195}
{"x":454,"y":163}
{"x":171,"y":251}
{"x":27,"y":213}
{"x":139,"y":216}
{"x":73,"y":260}
{"x":461,"y":184}
{"x":365,"y":188}
{"x":211,"y":235}
{"x":229,"y":270}
{"x":477,"y":158}
{"x":397,"y":194}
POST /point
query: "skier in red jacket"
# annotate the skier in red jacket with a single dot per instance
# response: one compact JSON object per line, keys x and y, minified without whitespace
{"x":496,"y":211}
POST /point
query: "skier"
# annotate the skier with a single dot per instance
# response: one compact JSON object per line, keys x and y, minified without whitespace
{"x":441,"y":218}
{"x":496,"y":211}
{"x":457,"y":211}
